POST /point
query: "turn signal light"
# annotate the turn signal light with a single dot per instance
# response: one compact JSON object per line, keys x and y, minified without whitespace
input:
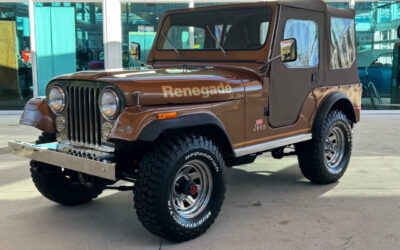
{"x":166,"y":116}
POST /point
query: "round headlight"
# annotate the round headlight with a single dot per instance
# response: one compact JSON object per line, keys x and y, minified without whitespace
{"x":57,"y":99}
{"x":109,"y":104}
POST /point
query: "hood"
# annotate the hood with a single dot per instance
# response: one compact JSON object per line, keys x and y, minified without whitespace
{"x":173,"y":86}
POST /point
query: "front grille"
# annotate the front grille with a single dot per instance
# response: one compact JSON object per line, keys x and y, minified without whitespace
{"x":83,"y":115}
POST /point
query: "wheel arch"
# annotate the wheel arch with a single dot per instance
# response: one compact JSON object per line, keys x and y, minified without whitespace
{"x":204,"y":124}
{"x":336,"y":100}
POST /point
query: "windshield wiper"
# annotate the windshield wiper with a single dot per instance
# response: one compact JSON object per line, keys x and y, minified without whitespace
{"x":173,"y":46}
{"x":216,"y":40}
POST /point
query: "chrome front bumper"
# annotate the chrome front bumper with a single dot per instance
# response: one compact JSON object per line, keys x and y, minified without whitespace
{"x":47,"y":153}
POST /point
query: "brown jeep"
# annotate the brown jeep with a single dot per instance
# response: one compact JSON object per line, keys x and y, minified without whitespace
{"x":221,"y":86}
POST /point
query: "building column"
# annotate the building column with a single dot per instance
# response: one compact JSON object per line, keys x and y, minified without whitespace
{"x":352,"y":4}
{"x":32,"y":38}
{"x":112,"y":33}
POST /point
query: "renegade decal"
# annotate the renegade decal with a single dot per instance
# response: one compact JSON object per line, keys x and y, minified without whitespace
{"x":205,"y":92}
{"x":259,"y":126}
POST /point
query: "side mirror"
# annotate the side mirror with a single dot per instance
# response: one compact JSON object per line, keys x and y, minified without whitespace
{"x":134,"y":51}
{"x":289,"y":50}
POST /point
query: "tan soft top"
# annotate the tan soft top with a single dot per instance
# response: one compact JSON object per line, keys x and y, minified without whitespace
{"x":318,"y":5}
{"x":331,"y":76}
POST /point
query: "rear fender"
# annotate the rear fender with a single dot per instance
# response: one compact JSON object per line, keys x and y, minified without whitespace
{"x":335,"y":100}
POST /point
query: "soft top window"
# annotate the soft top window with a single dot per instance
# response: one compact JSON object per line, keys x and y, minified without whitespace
{"x":306,"y":34}
{"x":343,"y":52}
{"x":231,"y":29}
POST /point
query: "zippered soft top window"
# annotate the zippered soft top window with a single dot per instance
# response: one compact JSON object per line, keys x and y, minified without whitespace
{"x":342,"y":49}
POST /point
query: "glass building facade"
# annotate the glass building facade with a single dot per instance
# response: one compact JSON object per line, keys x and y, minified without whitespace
{"x":139,"y":24}
{"x":42,"y":39}
{"x":377,"y":24}
{"x":15,"y":56}
{"x":69,"y":38}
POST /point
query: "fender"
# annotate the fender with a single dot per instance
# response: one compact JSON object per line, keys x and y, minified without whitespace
{"x":335,"y":99}
{"x":37,"y":114}
{"x":155,"y":128}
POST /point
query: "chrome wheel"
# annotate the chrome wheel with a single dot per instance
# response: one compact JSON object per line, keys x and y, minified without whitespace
{"x":191,"y":190}
{"x":334,"y":148}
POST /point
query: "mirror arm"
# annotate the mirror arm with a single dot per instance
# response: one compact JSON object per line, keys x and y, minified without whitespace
{"x":263,"y":69}
{"x":142,"y":63}
{"x":274,"y":58}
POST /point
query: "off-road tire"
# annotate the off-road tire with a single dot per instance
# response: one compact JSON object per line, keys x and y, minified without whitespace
{"x":156,"y":175}
{"x":62,"y":186}
{"x":311,"y":154}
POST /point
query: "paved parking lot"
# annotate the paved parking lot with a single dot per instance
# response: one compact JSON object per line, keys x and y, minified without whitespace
{"x":269,"y":205}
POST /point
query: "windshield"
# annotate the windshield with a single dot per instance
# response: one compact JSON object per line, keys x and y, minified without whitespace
{"x":226,"y":29}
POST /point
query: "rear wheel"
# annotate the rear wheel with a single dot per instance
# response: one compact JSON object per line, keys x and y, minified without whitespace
{"x":180,"y":187}
{"x":63,"y":186}
{"x":325,"y":158}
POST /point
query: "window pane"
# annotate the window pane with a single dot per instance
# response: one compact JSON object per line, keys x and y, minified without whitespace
{"x":139,"y":24}
{"x":15,"y":56}
{"x":341,"y":5}
{"x":234,"y":29}
{"x":213,"y":4}
{"x":377,"y":53}
{"x":69,"y":38}
{"x":306,"y":35}
{"x":180,"y":37}
{"x":342,"y":43}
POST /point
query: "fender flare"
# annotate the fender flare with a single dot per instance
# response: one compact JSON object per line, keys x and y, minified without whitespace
{"x":37,"y":114}
{"x":155,"y":128}
{"x":335,"y":99}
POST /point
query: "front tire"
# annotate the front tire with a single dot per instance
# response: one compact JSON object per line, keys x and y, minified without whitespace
{"x":324,"y":159}
{"x":61,"y":185}
{"x":180,"y":187}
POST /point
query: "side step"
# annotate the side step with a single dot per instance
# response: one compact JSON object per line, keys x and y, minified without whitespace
{"x":265,"y":146}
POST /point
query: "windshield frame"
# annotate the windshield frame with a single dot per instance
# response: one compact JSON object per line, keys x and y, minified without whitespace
{"x":267,"y":7}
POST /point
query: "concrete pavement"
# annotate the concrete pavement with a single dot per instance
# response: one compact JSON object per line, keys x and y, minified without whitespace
{"x":269,"y":205}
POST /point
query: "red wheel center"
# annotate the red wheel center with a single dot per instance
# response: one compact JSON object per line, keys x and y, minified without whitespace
{"x":193,"y":189}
